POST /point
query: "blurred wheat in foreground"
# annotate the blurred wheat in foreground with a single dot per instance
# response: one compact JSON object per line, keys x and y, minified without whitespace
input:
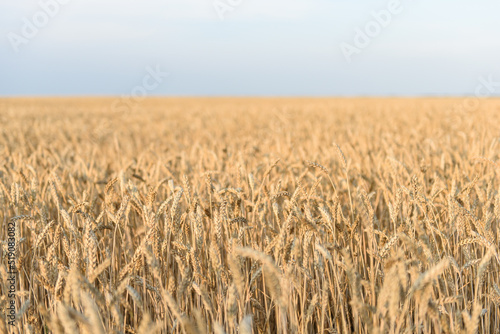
{"x":251,"y":216}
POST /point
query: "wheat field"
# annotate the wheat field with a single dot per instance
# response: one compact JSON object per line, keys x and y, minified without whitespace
{"x":250,"y":216}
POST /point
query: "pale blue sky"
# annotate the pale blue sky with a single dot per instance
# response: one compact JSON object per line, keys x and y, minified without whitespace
{"x":260,"y":48}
